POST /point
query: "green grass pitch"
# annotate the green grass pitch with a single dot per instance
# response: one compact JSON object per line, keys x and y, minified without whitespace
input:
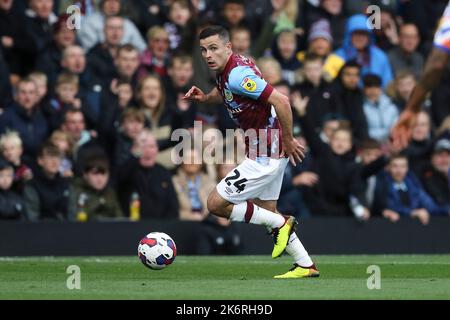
{"x":226,"y":277}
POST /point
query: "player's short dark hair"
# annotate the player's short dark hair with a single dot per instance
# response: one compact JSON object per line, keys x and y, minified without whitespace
{"x":215,"y":30}
{"x":372,"y":80}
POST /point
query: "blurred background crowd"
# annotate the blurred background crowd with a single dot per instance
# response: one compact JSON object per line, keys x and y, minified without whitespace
{"x":87,"y":114}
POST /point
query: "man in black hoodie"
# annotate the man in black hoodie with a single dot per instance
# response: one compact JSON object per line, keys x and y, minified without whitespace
{"x":351,"y":99}
{"x":46,"y":195}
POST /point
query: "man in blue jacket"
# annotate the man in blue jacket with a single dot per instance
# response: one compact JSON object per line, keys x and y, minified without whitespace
{"x":24,"y":117}
{"x":406,"y":197}
{"x":359,"y":45}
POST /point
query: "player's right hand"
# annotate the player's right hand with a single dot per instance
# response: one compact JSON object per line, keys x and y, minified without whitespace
{"x":195,"y":94}
{"x":294,"y":150}
{"x":402,"y":131}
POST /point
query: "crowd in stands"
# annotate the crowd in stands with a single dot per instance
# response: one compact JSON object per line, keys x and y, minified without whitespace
{"x":87,"y":114}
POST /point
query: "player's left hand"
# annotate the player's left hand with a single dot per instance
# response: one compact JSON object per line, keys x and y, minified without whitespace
{"x":293,"y":150}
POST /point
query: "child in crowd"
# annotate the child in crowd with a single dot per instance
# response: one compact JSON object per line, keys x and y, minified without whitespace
{"x":11,"y":203}
{"x":64,"y":142}
{"x":11,"y":150}
{"x":91,"y":198}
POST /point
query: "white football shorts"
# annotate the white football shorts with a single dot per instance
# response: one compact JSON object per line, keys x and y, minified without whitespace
{"x":253,"y":179}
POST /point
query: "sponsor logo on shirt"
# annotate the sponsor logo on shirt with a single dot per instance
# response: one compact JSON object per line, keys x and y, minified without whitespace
{"x":248,"y":84}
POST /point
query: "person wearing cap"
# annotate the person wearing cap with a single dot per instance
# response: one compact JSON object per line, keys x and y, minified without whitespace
{"x":436,"y":175}
{"x":320,"y":42}
{"x":11,"y":203}
{"x":359,"y":44}
{"x":331,"y":11}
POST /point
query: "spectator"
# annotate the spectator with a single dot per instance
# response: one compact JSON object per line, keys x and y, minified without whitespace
{"x":401,"y":89}
{"x":241,"y":41}
{"x":85,"y":144}
{"x":11,"y":203}
{"x":233,"y":14}
{"x":159,"y":116}
{"x":351,"y":98}
{"x":320,"y":42}
{"x":5,"y":88}
{"x":359,"y":45}
{"x":132,"y":124}
{"x":25,"y":118}
{"x":155,"y":57}
{"x":406,"y":198}
{"x":148,"y":13}
{"x":101,"y":57}
{"x":372,"y":200}
{"x":386,"y":36}
{"x":181,"y":26}
{"x":330,"y":10}
{"x":67,"y":97}
{"x":436,"y":176}
{"x":17,"y":45}
{"x":381,"y":113}
{"x":181,"y":72}
{"x":405,"y":55}
{"x":317,"y":91}
{"x":74,"y":61}
{"x":42,"y":86}
{"x":92,"y":32}
{"x":64,"y":143}
{"x":420,"y":147}
{"x":40,"y":19}
{"x":11,"y":150}
{"x":193,"y":187}
{"x":118,"y":95}
{"x":46,"y":195}
{"x":334,"y":165}
{"x":49,"y":59}
{"x":255,"y":46}
{"x":151,"y":181}
{"x":91,"y":198}
{"x":285,"y":51}
{"x":271,"y":69}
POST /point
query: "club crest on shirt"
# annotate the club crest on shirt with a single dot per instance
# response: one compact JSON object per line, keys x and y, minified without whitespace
{"x":228,"y":95}
{"x":248,"y":84}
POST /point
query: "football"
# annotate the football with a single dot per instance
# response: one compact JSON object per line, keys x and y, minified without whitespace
{"x":157,"y":250}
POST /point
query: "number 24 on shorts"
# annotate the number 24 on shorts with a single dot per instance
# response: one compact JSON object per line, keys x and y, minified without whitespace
{"x":239,"y":184}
